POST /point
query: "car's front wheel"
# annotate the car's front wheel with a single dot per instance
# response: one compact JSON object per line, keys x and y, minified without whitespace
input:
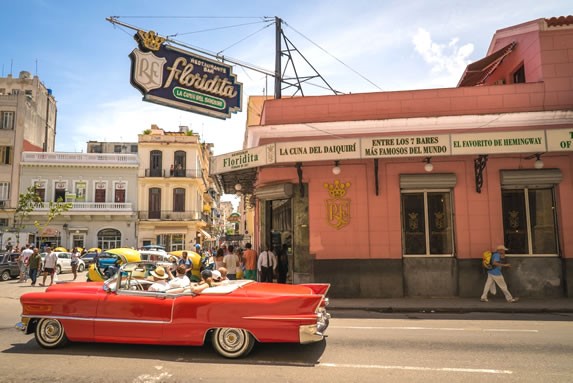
{"x":50,"y":333}
{"x":80,"y":268}
{"x":58,"y":269}
{"x":232,"y":342}
{"x":5,"y":276}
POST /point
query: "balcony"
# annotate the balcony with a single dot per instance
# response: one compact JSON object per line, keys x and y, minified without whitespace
{"x":170,"y":215}
{"x":80,"y":158}
{"x":181,"y":173}
{"x":90,"y":206}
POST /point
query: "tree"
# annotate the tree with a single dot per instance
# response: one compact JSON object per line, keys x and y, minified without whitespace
{"x":29,"y":201}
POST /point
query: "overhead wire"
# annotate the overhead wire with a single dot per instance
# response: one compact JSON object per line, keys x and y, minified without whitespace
{"x":243,"y":39}
{"x":334,"y":57}
{"x":217,"y":29}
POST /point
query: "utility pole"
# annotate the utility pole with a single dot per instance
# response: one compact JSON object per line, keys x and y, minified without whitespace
{"x":278,"y":53}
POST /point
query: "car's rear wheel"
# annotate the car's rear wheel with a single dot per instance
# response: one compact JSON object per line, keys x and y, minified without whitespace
{"x":80,"y":268}
{"x":58,"y":269}
{"x":50,"y":333}
{"x":5,"y":276}
{"x":232,"y":342}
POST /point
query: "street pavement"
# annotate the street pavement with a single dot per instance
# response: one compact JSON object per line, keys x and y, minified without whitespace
{"x":13,"y":289}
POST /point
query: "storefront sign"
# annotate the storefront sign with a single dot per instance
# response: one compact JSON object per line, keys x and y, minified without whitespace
{"x":342,"y":149}
{"x":559,"y":140}
{"x":244,"y":159}
{"x":529,"y":141}
{"x":406,"y":146}
{"x":170,"y":76}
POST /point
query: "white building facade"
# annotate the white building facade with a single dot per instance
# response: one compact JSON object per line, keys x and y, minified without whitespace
{"x":102,"y":190}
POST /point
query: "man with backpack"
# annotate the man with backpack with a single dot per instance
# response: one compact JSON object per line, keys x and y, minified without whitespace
{"x":494,"y":275}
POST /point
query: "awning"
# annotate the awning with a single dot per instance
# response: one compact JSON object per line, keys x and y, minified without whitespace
{"x":205,"y":234}
{"x":476,"y":73}
{"x":246,"y":178}
{"x":49,"y":232}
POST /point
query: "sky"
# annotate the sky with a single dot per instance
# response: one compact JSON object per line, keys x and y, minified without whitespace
{"x":356,"y":46}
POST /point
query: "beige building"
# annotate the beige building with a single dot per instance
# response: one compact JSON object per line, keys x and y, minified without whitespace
{"x":27,"y":123}
{"x":177,"y":199}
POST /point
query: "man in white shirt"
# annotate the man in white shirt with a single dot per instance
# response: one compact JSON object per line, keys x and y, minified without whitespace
{"x":267,"y":265}
{"x":181,"y":280}
{"x":49,"y":266}
{"x":24,"y":263}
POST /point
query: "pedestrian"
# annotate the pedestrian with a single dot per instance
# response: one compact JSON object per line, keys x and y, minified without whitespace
{"x":266,"y":265}
{"x":24,"y":257}
{"x":250,"y":261}
{"x":219,"y":257}
{"x":282,"y":264}
{"x":494,"y":275}
{"x":50,"y":263}
{"x":34,"y":263}
{"x":75,"y":260}
{"x":231,"y":263}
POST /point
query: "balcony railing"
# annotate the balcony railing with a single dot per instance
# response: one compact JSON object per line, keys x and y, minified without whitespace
{"x":79,"y":158}
{"x":170,"y":215}
{"x":90,"y":206}
{"x":183,"y":173}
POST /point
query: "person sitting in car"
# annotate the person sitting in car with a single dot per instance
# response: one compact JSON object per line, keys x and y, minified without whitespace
{"x":181,"y":280}
{"x":206,"y":281}
{"x":159,"y":280}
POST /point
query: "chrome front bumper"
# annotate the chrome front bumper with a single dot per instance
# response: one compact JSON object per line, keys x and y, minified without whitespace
{"x":315,"y":332}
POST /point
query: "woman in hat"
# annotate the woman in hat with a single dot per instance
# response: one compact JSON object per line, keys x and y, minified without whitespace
{"x":159,"y":280}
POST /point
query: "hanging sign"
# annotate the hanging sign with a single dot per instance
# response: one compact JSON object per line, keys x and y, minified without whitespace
{"x":173,"y":77}
{"x":243,"y":159}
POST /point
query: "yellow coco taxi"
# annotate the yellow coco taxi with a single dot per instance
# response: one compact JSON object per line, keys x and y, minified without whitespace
{"x":109,"y":261}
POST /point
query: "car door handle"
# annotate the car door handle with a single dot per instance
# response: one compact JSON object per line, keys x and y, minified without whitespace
{"x":162,"y":297}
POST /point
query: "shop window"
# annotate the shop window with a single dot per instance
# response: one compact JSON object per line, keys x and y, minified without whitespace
{"x":529,"y":221}
{"x":109,"y":239}
{"x":427,"y":227}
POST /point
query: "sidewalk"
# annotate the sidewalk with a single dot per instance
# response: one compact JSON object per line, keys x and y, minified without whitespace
{"x":454,"y":305}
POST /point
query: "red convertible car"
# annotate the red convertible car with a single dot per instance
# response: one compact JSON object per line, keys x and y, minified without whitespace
{"x":121,"y":310}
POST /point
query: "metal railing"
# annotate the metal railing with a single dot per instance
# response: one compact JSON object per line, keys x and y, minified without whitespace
{"x":170,"y":215}
{"x":183,"y":173}
{"x":75,"y":158}
{"x":90,"y":206}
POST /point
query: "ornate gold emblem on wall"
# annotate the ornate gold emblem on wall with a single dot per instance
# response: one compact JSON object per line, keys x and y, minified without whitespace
{"x":337,"y":207}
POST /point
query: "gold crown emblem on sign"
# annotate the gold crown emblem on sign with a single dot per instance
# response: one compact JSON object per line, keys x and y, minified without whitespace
{"x":149,"y":40}
{"x":337,"y":189}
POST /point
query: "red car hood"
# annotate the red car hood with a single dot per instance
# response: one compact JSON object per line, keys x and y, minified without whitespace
{"x":76,"y":287}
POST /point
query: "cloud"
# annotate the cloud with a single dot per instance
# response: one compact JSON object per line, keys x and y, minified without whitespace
{"x":446,"y":60}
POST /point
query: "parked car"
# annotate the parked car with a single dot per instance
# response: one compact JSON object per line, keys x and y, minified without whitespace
{"x":233,"y":316}
{"x":89,"y":258}
{"x":9,"y":266}
{"x":64,"y":263}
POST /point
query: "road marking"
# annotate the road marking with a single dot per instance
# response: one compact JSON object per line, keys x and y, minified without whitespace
{"x":414,"y":368}
{"x":433,"y":328}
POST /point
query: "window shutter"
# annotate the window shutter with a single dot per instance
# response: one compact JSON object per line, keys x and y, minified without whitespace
{"x":427,"y":181}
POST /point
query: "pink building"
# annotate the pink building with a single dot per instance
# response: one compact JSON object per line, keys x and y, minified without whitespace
{"x":396,"y":194}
